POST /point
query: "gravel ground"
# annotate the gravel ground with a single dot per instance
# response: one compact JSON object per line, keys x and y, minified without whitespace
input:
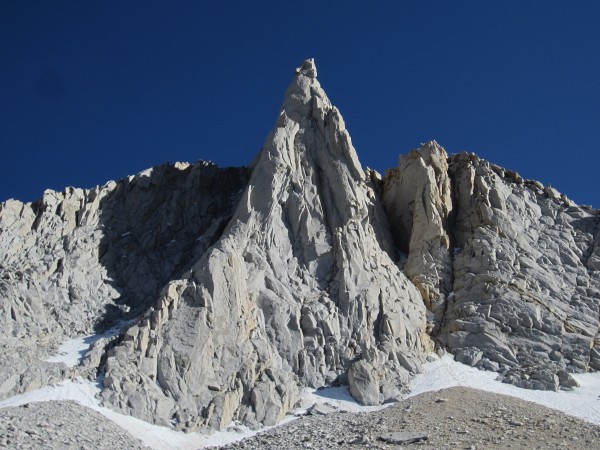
{"x":61,"y":425}
{"x":457,"y":418}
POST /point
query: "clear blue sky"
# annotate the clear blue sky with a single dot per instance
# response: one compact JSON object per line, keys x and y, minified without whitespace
{"x":97,"y":90}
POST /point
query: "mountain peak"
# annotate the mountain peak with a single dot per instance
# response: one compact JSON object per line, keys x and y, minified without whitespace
{"x":307,"y":68}
{"x":300,"y":283}
{"x":304,"y":95}
{"x":306,"y":271}
{"x":309,"y":126}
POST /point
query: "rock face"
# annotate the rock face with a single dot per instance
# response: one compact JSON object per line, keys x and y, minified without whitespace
{"x":77,"y":261}
{"x":299,"y":290}
{"x":244,"y":285}
{"x":418,"y":200}
{"x":507,"y":267}
{"x":526,"y":287}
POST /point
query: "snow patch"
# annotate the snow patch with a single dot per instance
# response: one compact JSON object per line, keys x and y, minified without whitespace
{"x":72,"y":351}
{"x":154,"y":436}
{"x":582,"y":402}
{"x":338,"y":397}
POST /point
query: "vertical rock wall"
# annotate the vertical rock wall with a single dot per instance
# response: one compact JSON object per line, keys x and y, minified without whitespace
{"x":299,"y":290}
{"x":76,"y":261}
{"x":519,"y":292}
{"x":418,"y":201}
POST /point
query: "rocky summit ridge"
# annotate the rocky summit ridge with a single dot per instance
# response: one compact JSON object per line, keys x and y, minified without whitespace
{"x":237,"y":287}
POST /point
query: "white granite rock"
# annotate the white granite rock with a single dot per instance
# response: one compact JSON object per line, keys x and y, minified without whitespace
{"x":525,"y":292}
{"x":245,"y":285}
{"x":75,"y":262}
{"x":300,"y":285}
{"x":418,"y":201}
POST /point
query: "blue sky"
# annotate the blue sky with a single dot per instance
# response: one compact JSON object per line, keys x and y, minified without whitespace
{"x":92,"y":91}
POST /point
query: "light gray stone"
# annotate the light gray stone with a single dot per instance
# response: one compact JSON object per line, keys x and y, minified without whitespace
{"x":520,"y":278}
{"x":300,"y":285}
{"x":418,"y":201}
{"x":403,"y":437}
{"x":321,"y":409}
{"x":75,"y":262}
{"x":364,"y":383}
{"x":244,"y":285}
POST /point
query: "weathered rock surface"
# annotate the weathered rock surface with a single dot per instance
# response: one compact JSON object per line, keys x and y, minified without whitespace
{"x":300,"y":290}
{"x":519,"y":292}
{"x":76,"y":261}
{"x":418,"y":201}
{"x":525,"y":293}
{"x":244,"y":285}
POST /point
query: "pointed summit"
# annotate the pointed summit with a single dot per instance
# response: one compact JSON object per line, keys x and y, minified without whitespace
{"x":304,"y":86}
{"x":300,"y":290}
{"x":308,"y":116}
{"x":247,"y":285}
{"x":308,"y":68}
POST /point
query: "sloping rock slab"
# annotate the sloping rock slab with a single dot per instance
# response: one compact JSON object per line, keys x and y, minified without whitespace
{"x":403,"y":437}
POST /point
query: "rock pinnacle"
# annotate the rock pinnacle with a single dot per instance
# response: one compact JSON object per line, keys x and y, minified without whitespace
{"x":307,"y":68}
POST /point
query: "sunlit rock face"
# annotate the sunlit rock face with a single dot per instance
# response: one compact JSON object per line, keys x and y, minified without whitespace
{"x":417,"y":197}
{"x":508,"y":268}
{"x":300,"y":290}
{"x":240,"y":286}
{"x":526,"y":284}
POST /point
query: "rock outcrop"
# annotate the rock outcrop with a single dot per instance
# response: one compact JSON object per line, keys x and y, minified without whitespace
{"x":507,"y":267}
{"x":418,"y":201}
{"x":243,"y":285}
{"x":526,"y":298}
{"x":77,"y":261}
{"x":300,"y":290}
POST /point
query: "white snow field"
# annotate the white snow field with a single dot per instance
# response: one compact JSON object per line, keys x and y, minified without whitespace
{"x":583,"y":402}
{"x":72,"y":351}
